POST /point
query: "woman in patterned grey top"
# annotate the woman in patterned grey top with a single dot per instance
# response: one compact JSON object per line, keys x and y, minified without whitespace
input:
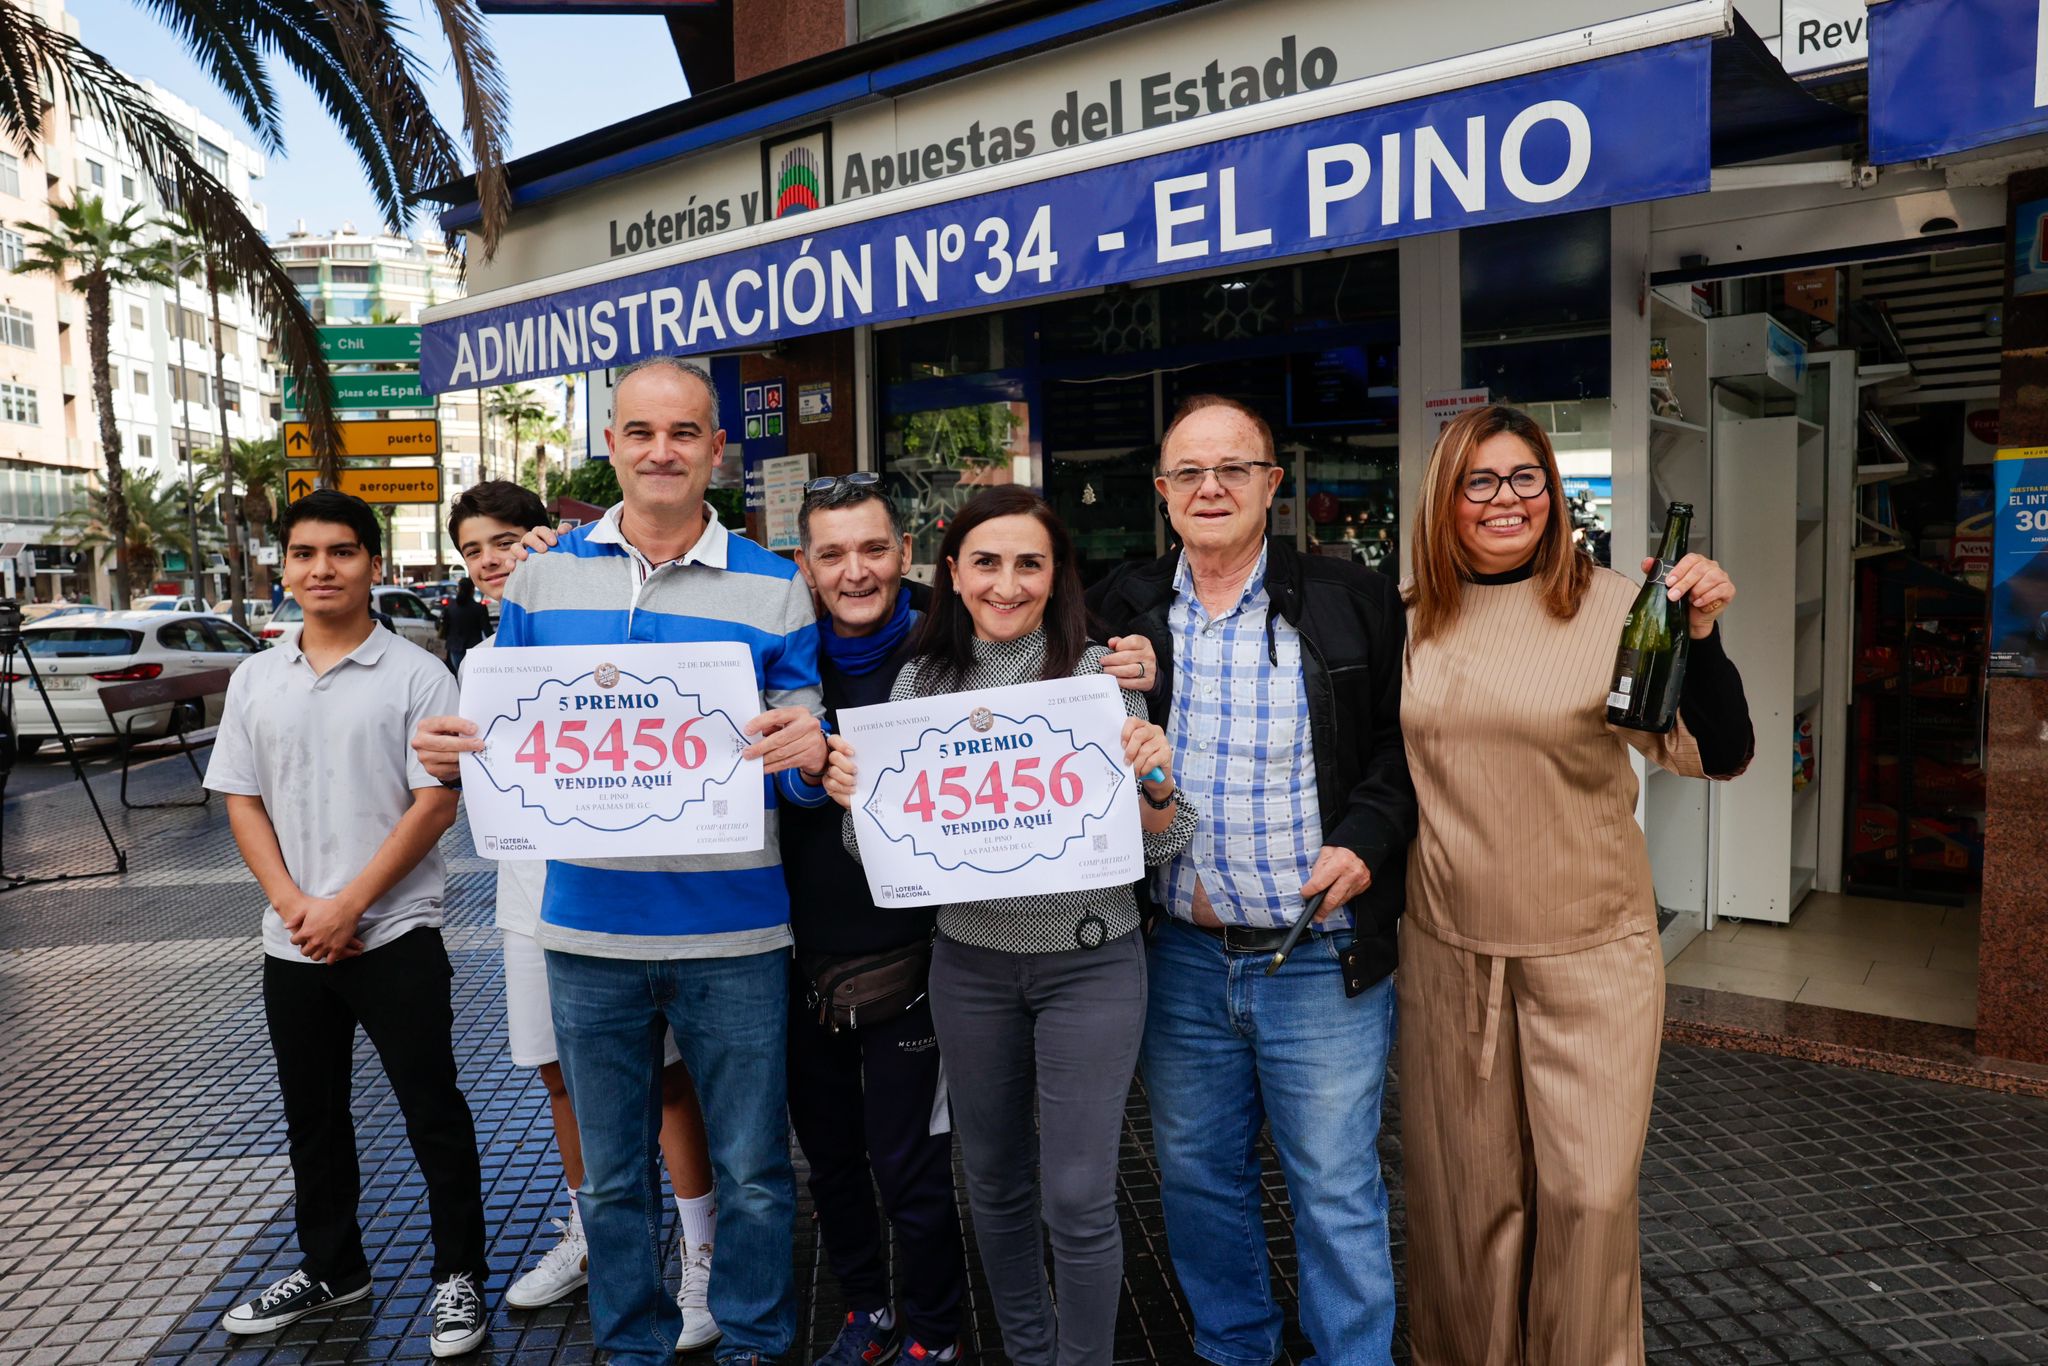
{"x":1039,"y":1000}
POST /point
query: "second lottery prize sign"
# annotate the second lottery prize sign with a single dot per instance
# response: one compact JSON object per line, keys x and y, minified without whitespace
{"x":612,"y":751}
{"x":994,"y":793}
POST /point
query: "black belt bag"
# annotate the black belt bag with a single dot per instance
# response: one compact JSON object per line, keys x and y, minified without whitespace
{"x":847,"y":992}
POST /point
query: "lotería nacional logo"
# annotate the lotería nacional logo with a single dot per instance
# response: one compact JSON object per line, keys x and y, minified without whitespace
{"x":796,"y":174}
{"x":606,"y":676}
{"x":982,"y":719}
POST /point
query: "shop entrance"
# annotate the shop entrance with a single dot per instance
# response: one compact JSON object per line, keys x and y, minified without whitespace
{"x":1839,"y":426}
{"x":1073,"y":396}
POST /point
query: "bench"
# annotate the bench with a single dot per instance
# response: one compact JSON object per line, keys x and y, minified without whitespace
{"x":182,"y":738}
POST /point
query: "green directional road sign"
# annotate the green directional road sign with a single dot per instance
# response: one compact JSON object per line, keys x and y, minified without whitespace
{"x":368,"y":391}
{"x":370,"y":343}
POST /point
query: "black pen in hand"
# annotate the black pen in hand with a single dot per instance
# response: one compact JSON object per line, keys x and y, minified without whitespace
{"x":1297,"y":930}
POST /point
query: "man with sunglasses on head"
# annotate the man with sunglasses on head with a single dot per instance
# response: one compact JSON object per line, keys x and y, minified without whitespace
{"x":1279,"y":685}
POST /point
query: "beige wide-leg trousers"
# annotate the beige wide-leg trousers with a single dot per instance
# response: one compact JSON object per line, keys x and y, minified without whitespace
{"x":1525,"y":1100}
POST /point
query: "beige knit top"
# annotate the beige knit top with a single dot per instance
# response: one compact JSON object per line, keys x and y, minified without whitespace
{"x":1528,"y":843}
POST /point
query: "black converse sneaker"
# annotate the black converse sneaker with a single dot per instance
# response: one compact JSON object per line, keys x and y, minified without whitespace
{"x":458,"y":1316}
{"x":290,"y":1300}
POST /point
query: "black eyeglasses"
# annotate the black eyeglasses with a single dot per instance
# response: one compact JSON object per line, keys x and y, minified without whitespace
{"x":1526,"y":482}
{"x":1234,"y":474}
{"x":859,"y":479}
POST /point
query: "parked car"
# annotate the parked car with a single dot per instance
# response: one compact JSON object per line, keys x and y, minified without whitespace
{"x":76,"y":656}
{"x":401,"y":609}
{"x":168,"y":602}
{"x":255,"y":611}
{"x":62,"y":609}
{"x":437,"y":594}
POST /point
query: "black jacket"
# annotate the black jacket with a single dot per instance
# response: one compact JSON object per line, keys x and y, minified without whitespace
{"x":830,"y":909}
{"x":1352,"y":629}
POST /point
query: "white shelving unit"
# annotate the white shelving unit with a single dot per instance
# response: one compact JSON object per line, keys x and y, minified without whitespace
{"x":1770,"y":486}
{"x":1674,"y":810}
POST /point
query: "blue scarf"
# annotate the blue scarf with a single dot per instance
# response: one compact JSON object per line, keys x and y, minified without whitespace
{"x":857,"y":655}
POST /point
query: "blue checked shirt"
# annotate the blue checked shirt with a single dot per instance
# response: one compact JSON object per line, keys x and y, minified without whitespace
{"x":1242,"y":748}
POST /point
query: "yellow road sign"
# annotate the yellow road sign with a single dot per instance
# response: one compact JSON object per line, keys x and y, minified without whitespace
{"x":400,"y":436}
{"x":412,"y":484}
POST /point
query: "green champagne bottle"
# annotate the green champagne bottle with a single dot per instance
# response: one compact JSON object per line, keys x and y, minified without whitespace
{"x":1649,"y":669}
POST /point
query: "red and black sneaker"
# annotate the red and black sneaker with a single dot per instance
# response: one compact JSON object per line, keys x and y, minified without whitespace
{"x":864,"y":1341}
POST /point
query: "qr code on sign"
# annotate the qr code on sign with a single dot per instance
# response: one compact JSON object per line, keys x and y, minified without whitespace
{"x":717,"y":808}
{"x":1101,"y":843}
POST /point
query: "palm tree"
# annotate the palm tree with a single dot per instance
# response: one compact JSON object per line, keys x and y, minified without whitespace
{"x":146,"y":521}
{"x":258,"y":469}
{"x":353,"y":55}
{"x":93,"y":253}
{"x":523,"y":414}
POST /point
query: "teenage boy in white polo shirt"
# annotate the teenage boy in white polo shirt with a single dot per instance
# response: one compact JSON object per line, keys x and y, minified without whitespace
{"x":340,"y":825}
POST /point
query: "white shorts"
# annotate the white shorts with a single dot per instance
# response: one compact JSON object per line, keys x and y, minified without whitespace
{"x":530,"y":1016}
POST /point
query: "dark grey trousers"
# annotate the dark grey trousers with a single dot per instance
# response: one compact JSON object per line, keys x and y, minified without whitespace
{"x":1060,"y":1029}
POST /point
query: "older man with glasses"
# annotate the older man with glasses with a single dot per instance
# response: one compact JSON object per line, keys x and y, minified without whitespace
{"x":1279,"y":684}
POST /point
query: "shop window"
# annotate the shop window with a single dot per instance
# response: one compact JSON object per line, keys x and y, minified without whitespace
{"x":1315,"y":349}
{"x":938,"y":458}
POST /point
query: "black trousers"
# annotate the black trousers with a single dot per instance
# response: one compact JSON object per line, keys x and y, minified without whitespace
{"x":861,"y":1103}
{"x":398,"y":993}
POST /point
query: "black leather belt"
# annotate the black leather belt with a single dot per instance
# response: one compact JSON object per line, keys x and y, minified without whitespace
{"x":1244,"y":938}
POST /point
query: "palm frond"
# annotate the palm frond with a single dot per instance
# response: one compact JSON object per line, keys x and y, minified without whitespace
{"x":366,"y":36}
{"x":96,"y":90}
{"x":487,"y":116}
{"x":220,"y":40}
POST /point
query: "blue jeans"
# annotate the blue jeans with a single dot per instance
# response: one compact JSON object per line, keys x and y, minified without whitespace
{"x":1228,"y":1048}
{"x":730,"y":1017}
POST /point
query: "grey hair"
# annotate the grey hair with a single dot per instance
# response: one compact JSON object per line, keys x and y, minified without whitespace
{"x":843,"y":495}
{"x":680,"y":366}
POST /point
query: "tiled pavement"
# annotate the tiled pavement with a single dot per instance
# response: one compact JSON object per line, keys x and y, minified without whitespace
{"x":1792,"y":1212}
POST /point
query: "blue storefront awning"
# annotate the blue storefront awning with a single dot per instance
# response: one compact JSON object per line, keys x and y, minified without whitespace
{"x":1353,"y":168}
{"x":1953,"y":75}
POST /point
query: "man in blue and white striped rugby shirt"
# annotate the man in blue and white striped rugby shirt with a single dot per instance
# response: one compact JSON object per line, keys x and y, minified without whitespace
{"x":698,"y":942}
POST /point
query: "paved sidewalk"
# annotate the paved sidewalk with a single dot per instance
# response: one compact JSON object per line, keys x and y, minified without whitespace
{"x":1793,"y":1212}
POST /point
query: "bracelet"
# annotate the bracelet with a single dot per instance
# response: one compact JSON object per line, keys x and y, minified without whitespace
{"x":452,"y":784}
{"x":1160,"y":803}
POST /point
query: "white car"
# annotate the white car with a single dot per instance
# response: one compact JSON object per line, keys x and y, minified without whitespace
{"x":255,"y":611}
{"x":404,"y":609}
{"x":74,"y":656}
{"x":167,"y":602}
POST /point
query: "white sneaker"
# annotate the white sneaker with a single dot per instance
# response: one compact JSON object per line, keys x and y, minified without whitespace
{"x":699,"y":1328}
{"x":562,"y":1271}
{"x":458,"y":1317}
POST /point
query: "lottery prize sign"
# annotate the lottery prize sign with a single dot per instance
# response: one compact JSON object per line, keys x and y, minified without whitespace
{"x":612,"y":751}
{"x":995,"y":792}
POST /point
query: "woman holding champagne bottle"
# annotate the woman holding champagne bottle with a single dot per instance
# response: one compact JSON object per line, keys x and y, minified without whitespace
{"x":1532,"y":980}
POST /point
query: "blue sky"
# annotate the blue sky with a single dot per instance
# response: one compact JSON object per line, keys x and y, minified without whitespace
{"x":566,"y":75}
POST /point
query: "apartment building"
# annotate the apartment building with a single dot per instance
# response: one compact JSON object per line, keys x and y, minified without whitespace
{"x":162,"y":342}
